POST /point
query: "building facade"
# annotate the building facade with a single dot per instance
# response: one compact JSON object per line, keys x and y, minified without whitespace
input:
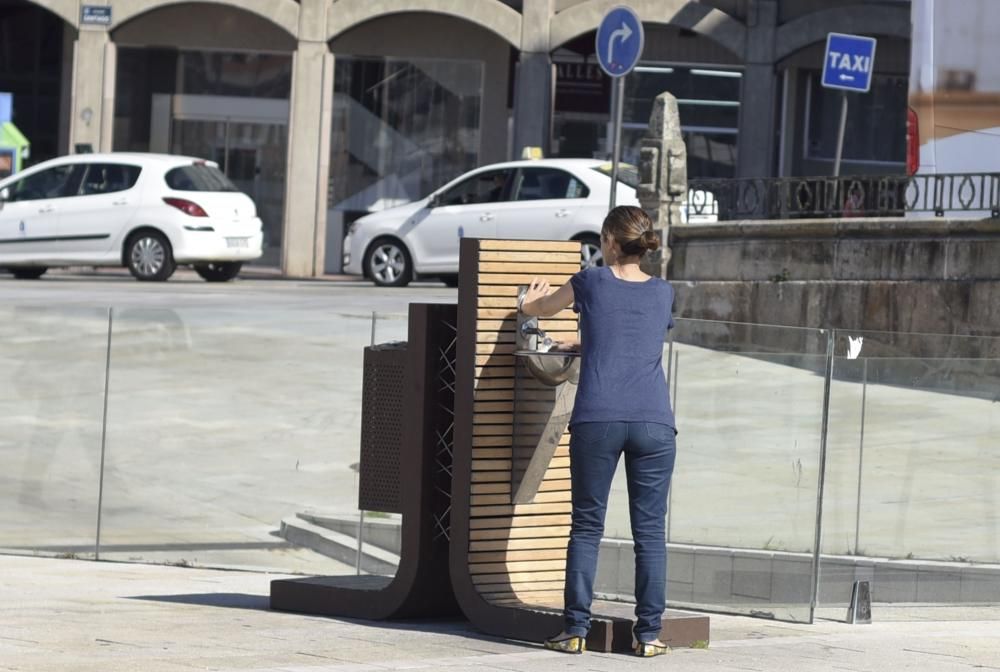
{"x":323,"y":110}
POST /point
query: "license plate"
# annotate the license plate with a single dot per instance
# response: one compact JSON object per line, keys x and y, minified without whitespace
{"x":237,"y":242}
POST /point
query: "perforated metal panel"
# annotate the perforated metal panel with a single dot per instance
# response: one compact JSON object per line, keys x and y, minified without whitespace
{"x":382,"y":398}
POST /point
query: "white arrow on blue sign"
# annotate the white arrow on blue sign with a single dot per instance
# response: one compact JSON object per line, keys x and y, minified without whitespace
{"x":848,"y":62}
{"x":619,"y":43}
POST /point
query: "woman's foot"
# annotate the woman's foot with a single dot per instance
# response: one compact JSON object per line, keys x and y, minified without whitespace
{"x":650,"y":649}
{"x":566,"y":643}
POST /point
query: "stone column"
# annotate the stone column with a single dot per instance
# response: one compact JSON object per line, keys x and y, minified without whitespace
{"x":304,"y":241}
{"x":535,"y":82}
{"x":93,"y":98}
{"x":757,"y":104}
{"x":662,"y":175}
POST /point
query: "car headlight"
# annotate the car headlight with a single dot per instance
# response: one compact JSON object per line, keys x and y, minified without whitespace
{"x":353,"y":228}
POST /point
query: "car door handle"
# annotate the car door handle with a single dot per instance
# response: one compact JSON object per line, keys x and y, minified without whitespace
{"x":46,"y":209}
{"x":121,"y":201}
{"x":562,"y":213}
{"x":486,"y":217}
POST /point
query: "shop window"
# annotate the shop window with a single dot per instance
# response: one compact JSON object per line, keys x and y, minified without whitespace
{"x":401,"y":129}
{"x":874,"y":122}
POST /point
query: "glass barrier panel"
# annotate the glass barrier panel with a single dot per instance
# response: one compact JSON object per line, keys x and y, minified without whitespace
{"x":748,"y":401}
{"x":233,"y":438}
{"x":52,"y":373}
{"x":913,"y":479}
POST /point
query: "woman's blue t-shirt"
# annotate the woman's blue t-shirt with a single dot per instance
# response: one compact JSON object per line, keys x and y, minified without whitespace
{"x":622,"y":330}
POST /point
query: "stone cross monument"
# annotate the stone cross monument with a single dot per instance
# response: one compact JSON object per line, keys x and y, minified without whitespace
{"x":662,"y":175}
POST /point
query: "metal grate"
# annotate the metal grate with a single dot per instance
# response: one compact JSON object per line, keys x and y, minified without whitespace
{"x":382,"y":402}
{"x":444,"y":429}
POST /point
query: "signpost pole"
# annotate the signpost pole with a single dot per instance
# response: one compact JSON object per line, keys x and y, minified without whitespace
{"x":616,"y":142}
{"x":840,"y":133}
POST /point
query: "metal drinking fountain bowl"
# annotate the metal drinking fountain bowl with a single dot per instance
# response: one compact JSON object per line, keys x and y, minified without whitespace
{"x":550,"y":367}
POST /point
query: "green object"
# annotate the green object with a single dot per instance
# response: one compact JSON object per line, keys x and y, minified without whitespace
{"x":13,"y":144}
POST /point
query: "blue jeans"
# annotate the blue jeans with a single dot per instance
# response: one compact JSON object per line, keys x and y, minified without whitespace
{"x":649,"y":462}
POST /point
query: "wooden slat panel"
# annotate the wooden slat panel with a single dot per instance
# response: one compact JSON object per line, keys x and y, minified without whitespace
{"x":492,"y":453}
{"x":542,"y":268}
{"x":491,"y":477}
{"x":493,"y":406}
{"x":560,"y":324}
{"x":511,"y":314}
{"x":556,"y":475}
{"x":491,"y":430}
{"x":494,"y":348}
{"x":513,"y":567}
{"x":495,"y":372}
{"x":554,"y":463}
{"x":533,"y":257}
{"x":520,"y":577}
{"x":496,"y":361}
{"x":518,"y":544}
{"x":493,"y":419}
{"x":512,"y":278}
{"x":493,"y":395}
{"x":518,"y":510}
{"x":491,"y":488}
{"x":554,"y":484}
{"x":550,"y":599}
{"x":486,"y":500}
{"x":530,"y":245}
{"x":545,"y":531}
{"x":490,"y":465}
{"x":491,"y":441}
{"x":504,"y":556}
{"x":518,"y":521}
{"x":495,"y":383}
{"x":496,"y":337}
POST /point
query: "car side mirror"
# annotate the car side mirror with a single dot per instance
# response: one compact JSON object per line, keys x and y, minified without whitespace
{"x":436,"y":201}
{"x":4,"y":196}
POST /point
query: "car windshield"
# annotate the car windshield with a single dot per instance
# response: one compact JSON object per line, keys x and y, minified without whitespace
{"x":627,"y":173}
{"x":198,"y":177}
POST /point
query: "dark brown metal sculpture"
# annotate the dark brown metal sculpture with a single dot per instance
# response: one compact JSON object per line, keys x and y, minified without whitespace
{"x":421,"y":586}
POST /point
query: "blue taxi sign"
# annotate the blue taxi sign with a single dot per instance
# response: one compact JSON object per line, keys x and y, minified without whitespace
{"x":848,"y":62}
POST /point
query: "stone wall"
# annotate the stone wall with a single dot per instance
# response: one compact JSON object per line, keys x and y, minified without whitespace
{"x":937,"y":276}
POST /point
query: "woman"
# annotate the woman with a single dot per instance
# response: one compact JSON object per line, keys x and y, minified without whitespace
{"x":622,"y":406}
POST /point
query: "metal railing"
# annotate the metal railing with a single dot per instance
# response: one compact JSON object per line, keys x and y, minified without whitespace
{"x":850,"y":196}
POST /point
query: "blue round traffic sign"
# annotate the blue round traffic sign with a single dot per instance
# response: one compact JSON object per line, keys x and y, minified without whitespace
{"x":619,"y":41}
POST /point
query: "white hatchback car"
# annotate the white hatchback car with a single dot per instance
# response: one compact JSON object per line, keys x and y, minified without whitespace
{"x":546,"y":199}
{"x":149,"y":212}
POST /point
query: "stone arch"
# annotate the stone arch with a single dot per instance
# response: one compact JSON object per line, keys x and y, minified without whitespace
{"x":862,"y":19}
{"x":708,"y":21}
{"x":67,"y":10}
{"x":282,"y":13}
{"x":489,"y":14}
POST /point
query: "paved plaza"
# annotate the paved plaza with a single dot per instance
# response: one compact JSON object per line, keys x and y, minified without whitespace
{"x":76,"y":616}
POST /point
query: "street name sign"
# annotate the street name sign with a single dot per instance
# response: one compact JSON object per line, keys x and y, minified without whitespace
{"x":619,"y":41}
{"x":95,"y":15}
{"x":848,"y":62}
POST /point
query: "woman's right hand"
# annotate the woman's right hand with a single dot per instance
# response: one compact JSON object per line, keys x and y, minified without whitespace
{"x":538,"y":289}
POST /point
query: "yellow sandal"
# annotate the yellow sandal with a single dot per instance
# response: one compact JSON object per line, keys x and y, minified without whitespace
{"x":567,"y":644}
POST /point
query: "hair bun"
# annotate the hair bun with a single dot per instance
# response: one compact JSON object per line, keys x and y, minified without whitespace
{"x":650,"y":240}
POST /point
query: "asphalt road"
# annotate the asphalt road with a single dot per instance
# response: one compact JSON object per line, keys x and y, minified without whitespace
{"x":185,"y":289}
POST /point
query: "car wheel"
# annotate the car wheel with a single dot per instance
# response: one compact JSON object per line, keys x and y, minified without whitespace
{"x":223,"y":271}
{"x":388,"y":263}
{"x":29,"y":272}
{"x":590,"y":253}
{"x":149,"y":256}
